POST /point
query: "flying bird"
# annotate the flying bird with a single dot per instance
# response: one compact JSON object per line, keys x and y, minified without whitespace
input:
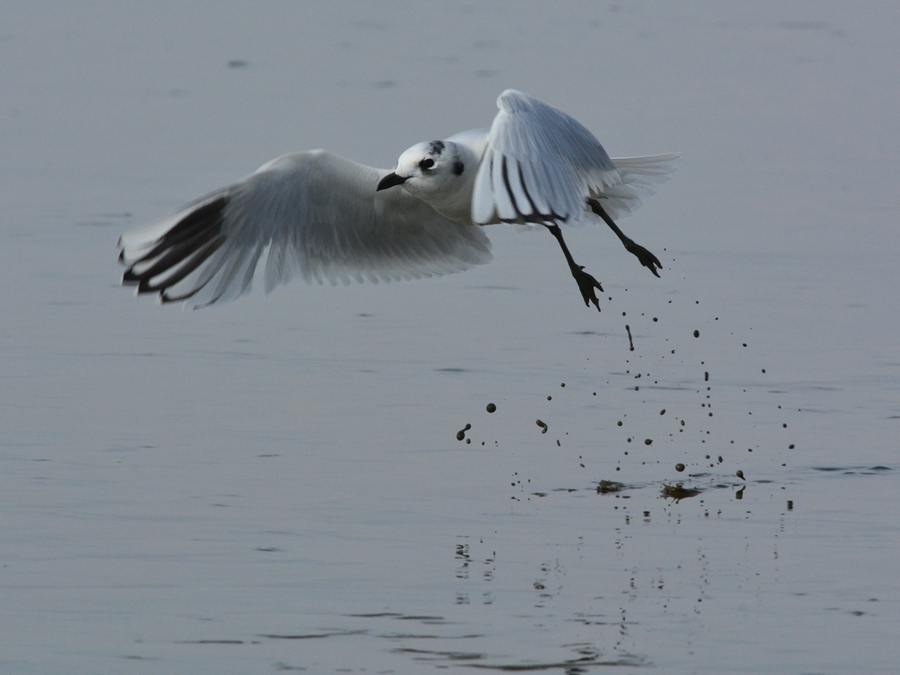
{"x":324,"y":218}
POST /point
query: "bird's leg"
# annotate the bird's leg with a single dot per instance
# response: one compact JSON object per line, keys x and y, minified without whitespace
{"x":586,"y":283}
{"x":646,"y":258}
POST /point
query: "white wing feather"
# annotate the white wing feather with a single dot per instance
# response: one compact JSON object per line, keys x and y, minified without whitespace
{"x":540,"y":165}
{"x":320,"y":218}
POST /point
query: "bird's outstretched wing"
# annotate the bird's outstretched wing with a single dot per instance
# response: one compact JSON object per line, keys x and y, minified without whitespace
{"x":540,"y":165}
{"x":315,"y":215}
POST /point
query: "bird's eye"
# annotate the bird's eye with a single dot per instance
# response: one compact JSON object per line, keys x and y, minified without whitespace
{"x":426,"y":163}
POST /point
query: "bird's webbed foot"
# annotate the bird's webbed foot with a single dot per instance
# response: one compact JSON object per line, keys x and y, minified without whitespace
{"x":647,"y":259}
{"x":587,"y":284}
{"x":644,"y":256}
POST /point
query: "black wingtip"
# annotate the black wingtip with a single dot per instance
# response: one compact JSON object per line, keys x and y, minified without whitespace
{"x":178,"y":252}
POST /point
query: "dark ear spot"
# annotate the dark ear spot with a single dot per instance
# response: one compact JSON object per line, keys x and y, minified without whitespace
{"x":458,"y":167}
{"x":437,"y":147}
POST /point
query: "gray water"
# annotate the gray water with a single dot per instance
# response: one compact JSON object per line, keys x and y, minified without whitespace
{"x":276,"y":485}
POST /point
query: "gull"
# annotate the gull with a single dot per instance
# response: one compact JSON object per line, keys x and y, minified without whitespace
{"x":324,"y":218}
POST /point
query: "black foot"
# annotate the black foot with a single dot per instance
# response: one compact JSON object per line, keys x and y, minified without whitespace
{"x":646,"y":258}
{"x":587,"y":284}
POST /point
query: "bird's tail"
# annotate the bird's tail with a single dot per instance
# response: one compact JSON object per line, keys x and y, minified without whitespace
{"x":641,"y":177}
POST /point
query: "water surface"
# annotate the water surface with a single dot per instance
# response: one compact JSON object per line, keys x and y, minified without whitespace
{"x":276,"y":485}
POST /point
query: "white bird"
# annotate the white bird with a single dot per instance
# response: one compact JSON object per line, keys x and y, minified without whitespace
{"x":326,"y":218}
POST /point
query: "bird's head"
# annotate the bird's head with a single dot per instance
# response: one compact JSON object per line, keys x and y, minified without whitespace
{"x":427,"y":169}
